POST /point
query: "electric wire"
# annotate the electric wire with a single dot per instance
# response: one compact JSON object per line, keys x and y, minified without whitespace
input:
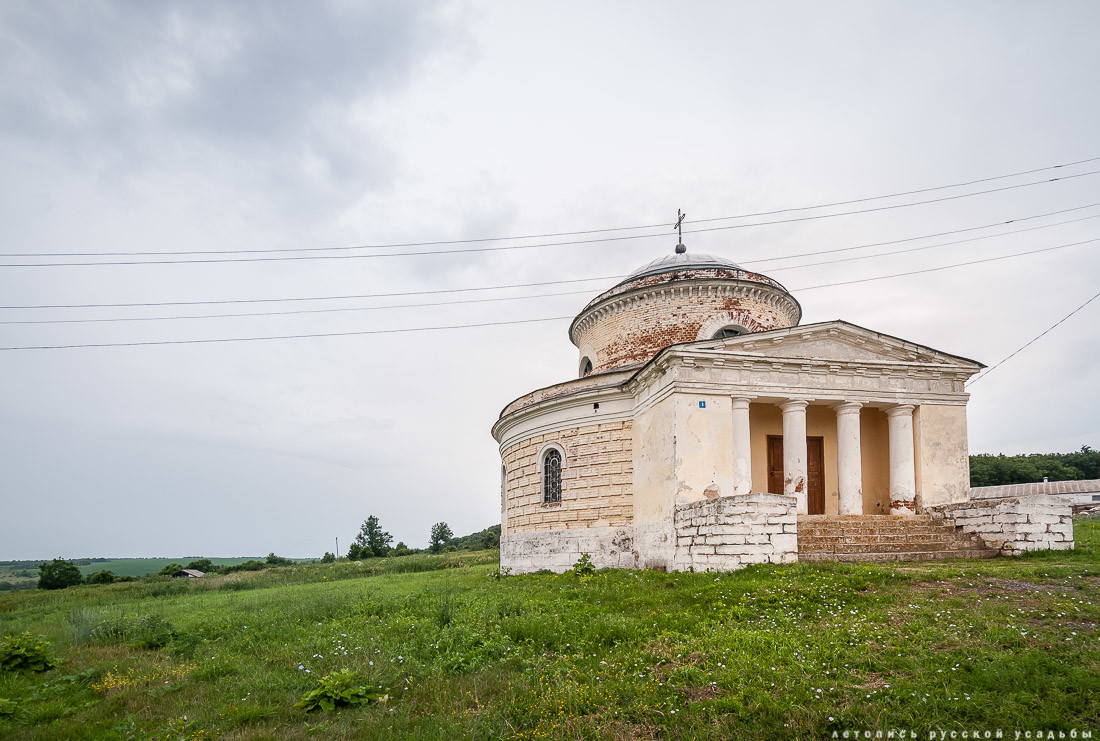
{"x":508,"y":322}
{"x":549,"y":235}
{"x":511,"y":298}
{"x":1028,"y":344}
{"x":466,"y":250}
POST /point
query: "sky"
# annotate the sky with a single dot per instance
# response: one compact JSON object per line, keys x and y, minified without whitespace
{"x":198,"y":127}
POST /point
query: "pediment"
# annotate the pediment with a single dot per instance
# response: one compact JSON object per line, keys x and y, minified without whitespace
{"x":836,"y":341}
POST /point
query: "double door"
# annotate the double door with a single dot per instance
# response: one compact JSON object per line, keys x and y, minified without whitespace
{"x":815,"y":470}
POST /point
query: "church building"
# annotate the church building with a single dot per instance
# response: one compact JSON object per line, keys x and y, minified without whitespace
{"x":707,"y":428}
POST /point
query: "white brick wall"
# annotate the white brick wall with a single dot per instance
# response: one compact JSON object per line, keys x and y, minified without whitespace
{"x":728,"y":533}
{"x":1015,"y":524}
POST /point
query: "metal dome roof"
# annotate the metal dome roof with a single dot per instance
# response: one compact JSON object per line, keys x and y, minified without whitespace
{"x":681,"y":261}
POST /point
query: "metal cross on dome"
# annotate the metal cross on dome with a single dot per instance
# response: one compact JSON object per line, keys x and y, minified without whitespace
{"x":680,"y":216}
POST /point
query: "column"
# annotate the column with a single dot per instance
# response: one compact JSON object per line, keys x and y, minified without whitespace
{"x":903,"y":477}
{"x":849,"y":463}
{"x":742,"y":450}
{"x":794,"y":452}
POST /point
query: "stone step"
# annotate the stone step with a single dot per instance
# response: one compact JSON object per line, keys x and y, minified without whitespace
{"x":891,"y":533}
{"x":884,"y":538}
{"x":915,"y":546}
{"x":881,"y":538}
{"x":898,"y":556}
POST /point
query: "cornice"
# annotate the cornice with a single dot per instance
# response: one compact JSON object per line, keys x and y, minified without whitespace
{"x":774,"y":297}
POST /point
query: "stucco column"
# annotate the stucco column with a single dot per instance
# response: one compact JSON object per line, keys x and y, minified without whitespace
{"x":742,"y":450}
{"x":794,"y":452}
{"x":849,"y":463}
{"x":903,"y":477}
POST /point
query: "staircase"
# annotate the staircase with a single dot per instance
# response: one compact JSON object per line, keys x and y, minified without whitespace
{"x":884,"y":538}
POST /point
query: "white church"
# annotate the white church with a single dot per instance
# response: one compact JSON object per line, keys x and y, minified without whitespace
{"x":708,"y":429}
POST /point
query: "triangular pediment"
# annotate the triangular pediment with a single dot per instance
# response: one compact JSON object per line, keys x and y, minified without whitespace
{"x":836,"y":341}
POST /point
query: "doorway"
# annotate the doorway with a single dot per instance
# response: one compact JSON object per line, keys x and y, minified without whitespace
{"x":815,"y":471}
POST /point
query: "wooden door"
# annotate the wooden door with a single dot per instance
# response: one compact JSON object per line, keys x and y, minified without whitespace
{"x":815,"y":471}
{"x":815,"y":475}
{"x":775,"y":464}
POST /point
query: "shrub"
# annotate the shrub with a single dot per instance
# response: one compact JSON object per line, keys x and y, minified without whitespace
{"x":339,"y":689}
{"x":584,"y":566}
{"x":273,"y":560}
{"x":355,"y":552}
{"x":102,"y":577}
{"x":25,"y":652}
{"x":170,"y":569}
{"x":252,"y":565}
{"x":58,"y":574}
{"x":201,"y":564}
{"x":328,"y":557}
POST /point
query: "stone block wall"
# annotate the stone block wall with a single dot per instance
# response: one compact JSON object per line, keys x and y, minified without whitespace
{"x":1015,"y":524}
{"x":727,"y":533}
{"x":597,"y":480}
{"x":558,"y":550}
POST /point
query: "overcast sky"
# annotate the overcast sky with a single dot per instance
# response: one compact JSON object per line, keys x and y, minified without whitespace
{"x":199,"y":126}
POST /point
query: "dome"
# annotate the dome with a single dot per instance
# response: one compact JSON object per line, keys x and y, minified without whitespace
{"x":677,"y":298}
{"x":680,"y":261}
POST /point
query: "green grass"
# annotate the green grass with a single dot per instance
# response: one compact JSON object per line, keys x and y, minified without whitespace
{"x":798,"y":651}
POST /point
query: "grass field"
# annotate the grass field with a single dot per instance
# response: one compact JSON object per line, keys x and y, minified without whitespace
{"x":801,"y":651}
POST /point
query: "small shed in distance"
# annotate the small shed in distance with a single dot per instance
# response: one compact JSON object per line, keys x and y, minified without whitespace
{"x":187,"y":574}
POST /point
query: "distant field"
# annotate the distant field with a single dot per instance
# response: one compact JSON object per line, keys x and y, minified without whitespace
{"x":143,"y":566}
{"x":803,"y":651}
{"x":23,"y":573}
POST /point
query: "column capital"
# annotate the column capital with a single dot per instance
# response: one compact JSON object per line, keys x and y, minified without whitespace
{"x":791,"y":405}
{"x":899,"y":410}
{"x":848,"y":407}
{"x":741,"y":400}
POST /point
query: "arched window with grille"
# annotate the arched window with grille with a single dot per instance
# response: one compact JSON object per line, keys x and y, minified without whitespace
{"x":551,"y":476}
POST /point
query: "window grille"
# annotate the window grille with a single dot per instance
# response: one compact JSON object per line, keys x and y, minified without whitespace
{"x":551,"y":477}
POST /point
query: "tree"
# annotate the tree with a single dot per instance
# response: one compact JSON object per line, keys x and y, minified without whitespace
{"x":373,"y":539}
{"x":273,"y":560}
{"x":201,"y":564}
{"x":170,"y":569}
{"x":58,"y":574}
{"x":328,"y":557}
{"x":102,"y":577}
{"x":355,"y":552}
{"x":441,"y":533}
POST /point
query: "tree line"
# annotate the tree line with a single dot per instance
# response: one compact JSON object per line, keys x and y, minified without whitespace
{"x":998,"y":470}
{"x":374,"y":542}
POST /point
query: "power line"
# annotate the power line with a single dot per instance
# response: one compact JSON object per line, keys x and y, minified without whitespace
{"x":520,"y":321}
{"x":297,"y":311}
{"x":1028,"y":344}
{"x":924,"y":236}
{"x":286,"y":258}
{"x":923,"y":247}
{"x":546,"y":283}
{"x":511,"y":298}
{"x":290,"y":336}
{"x":314,"y":298}
{"x":946,"y":267}
{"x":563,"y":234}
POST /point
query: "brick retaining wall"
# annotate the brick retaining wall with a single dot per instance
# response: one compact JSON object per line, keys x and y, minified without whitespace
{"x":728,"y":533}
{"x":1014,"y":524}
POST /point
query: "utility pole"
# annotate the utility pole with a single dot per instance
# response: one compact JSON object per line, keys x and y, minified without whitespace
{"x":338,"y":546}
